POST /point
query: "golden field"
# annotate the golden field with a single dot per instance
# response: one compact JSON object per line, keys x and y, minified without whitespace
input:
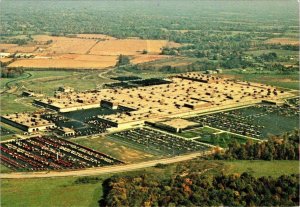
{"x":283,"y":41}
{"x":85,"y":51}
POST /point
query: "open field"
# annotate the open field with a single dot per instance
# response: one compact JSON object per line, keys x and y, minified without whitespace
{"x":4,"y":46}
{"x":64,"y":45}
{"x":147,"y":58}
{"x":115,"y":149}
{"x":130,"y":47}
{"x":171,"y":61}
{"x":290,"y":81}
{"x":197,"y":132}
{"x":84,"y":62}
{"x":95,"y":36}
{"x":283,"y":41}
{"x":260,"y":168}
{"x":11,"y":103}
{"x":48,"y":81}
{"x":84,"y":51}
{"x":222,"y":139}
{"x":66,"y":192}
{"x":49,"y":192}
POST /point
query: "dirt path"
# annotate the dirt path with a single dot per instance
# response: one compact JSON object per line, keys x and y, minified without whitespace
{"x":9,"y":87}
{"x":102,"y":170}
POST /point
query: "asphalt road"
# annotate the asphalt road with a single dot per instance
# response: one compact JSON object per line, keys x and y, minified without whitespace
{"x":101,"y":170}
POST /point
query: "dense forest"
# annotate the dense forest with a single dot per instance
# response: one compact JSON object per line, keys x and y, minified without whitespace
{"x":284,"y":147}
{"x":200,"y":190}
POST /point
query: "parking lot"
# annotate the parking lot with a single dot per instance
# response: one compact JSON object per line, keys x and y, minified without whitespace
{"x":48,"y":153}
{"x":257,"y":121}
{"x":157,"y":141}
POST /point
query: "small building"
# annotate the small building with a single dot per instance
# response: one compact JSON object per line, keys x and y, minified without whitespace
{"x":4,"y":55}
{"x":65,"y":89}
{"x":109,"y":104}
{"x":23,"y":55}
{"x":28,"y":93}
{"x":176,"y":125}
{"x":66,"y":132}
{"x":219,"y":70}
{"x":210,"y":72}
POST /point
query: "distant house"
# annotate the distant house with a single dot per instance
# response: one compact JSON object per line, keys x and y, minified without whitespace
{"x":65,"y":89}
{"x":28,"y":93}
{"x":4,"y":55}
{"x":210,"y":72}
{"x":23,"y":55}
{"x":219,"y":70}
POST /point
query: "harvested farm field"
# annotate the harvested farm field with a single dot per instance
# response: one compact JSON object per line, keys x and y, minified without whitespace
{"x":61,"y":45}
{"x":147,"y":58}
{"x":84,"y":51}
{"x":5,"y":46}
{"x":130,"y":47}
{"x":80,"y":62}
{"x":22,"y":49}
{"x":283,"y":41}
{"x":95,"y":36}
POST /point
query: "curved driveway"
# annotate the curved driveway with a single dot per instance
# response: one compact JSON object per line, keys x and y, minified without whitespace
{"x":101,"y":170}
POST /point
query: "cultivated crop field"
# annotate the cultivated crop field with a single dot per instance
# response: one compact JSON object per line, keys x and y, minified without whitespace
{"x":283,"y":41}
{"x":130,"y":47}
{"x":85,"y":62}
{"x":84,"y":51}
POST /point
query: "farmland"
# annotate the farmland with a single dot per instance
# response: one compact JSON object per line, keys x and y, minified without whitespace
{"x":86,"y":51}
{"x":283,"y":41}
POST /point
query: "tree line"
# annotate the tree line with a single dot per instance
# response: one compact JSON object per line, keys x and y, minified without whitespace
{"x":284,"y":147}
{"x":201,"y":190}
{"x":11,"y":72}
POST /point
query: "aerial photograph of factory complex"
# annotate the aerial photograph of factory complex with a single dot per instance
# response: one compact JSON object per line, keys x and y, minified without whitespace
{"x":149,"y":103}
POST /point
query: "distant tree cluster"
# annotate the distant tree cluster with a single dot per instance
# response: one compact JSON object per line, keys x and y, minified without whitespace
{"x":200,"y":190}
{"x":283,"y":147}
{"x":11,"y":72}
{"x":123,"y":60}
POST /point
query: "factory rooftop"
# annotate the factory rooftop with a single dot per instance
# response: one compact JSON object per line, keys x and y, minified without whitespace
{"x":187,"y":93}
{"x":27,"y":122}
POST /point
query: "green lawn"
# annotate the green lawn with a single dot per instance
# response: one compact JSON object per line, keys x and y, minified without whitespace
{"x":49,"y":192}
{"x":196,"y":132}
{"x":222,"y":139}
{"x":11,"y":103}
{"x":263,"y":168}
{"x":290,"y":81}
{"x":115,"y":149}
{"x":4,"y":169}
